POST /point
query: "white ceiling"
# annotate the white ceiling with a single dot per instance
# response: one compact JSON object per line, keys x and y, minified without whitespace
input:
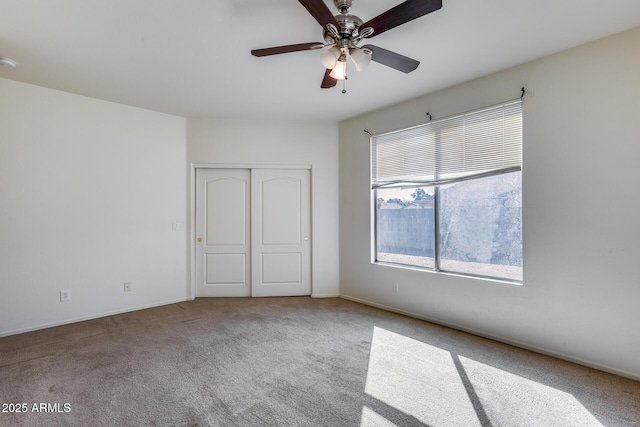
{"x":191,"y":57}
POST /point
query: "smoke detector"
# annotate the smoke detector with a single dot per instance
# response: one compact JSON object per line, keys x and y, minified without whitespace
{"x":7,"y":62}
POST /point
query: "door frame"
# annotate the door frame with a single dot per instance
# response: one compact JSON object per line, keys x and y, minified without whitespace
{"x":191,"y":245}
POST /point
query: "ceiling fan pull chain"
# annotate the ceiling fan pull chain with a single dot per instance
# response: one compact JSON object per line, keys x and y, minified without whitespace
{"x":344,"y":73}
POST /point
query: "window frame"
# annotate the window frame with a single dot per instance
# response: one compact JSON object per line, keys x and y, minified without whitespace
{"x":437,"y":202}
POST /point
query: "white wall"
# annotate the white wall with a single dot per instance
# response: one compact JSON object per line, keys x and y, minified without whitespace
{"x":581,"y":293}
{"x":256,"y":142}
{"x":88,"y":193}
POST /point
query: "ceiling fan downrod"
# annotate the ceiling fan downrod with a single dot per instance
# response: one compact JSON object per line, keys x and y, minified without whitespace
{"x":343,"y":5}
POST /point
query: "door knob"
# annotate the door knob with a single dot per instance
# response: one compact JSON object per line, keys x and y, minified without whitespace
{"x":199,"y":239}
{"x":306,"y":239}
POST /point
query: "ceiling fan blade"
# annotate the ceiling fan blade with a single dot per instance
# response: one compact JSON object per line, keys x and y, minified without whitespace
{"x":392,"y":59}
{"x":319,"y":10}
{"x":328,"y":81}
{"x":286,"y":49}
{"x":401,"y":14}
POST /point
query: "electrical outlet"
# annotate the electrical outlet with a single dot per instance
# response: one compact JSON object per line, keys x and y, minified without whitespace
{"x":65,"y":295}
{"x":395,"y":286}
{"x":127,"y":287}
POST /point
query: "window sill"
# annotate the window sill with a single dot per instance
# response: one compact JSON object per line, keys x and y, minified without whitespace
{"x":450,"y":273}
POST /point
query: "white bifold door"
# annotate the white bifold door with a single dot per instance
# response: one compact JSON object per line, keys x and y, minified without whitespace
{"x":253,"y":232}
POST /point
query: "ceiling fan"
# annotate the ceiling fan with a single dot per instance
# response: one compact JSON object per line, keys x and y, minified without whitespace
{"x":343,"y":33}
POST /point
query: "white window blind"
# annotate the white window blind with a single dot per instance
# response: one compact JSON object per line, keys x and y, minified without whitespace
{"x":473,"y":144}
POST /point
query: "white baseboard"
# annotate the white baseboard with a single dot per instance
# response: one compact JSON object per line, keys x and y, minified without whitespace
{"x":91,"y":317}
{"x":325,"y":295}
{"x":516,"y":343}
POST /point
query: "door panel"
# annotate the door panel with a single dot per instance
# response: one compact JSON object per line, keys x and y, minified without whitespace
{"x":226,"y":211}
{"x":223,"y":269}
{"x":281,"y":268}
{"x":281,"y":247}
{"x":223,"y":253}
{"x":280,"y":211}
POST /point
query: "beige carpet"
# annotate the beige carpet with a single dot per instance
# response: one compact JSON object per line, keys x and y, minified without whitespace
{"x":293,"y":362}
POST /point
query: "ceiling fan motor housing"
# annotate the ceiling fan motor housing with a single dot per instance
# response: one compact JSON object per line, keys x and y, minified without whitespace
{"x":348,"y":25}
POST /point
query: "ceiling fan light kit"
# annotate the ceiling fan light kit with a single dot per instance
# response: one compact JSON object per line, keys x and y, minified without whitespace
{"x":360,"y":57}
{"x":344,"y":32}
{"x":329,"y":57}
{"x":339,"y":72}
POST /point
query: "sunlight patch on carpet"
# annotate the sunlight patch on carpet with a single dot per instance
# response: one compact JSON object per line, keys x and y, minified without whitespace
{"x":506,"y":397}
{"x":418,"y":379}
{"x":429,"y":385}
{"x":371,"y":418}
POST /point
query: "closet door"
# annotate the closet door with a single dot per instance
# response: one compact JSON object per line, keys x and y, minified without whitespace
{"x":280,"y":232}
{"x":223,"y":242}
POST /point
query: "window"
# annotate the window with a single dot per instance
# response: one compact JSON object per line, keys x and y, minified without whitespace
{"x":448,"y":194}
